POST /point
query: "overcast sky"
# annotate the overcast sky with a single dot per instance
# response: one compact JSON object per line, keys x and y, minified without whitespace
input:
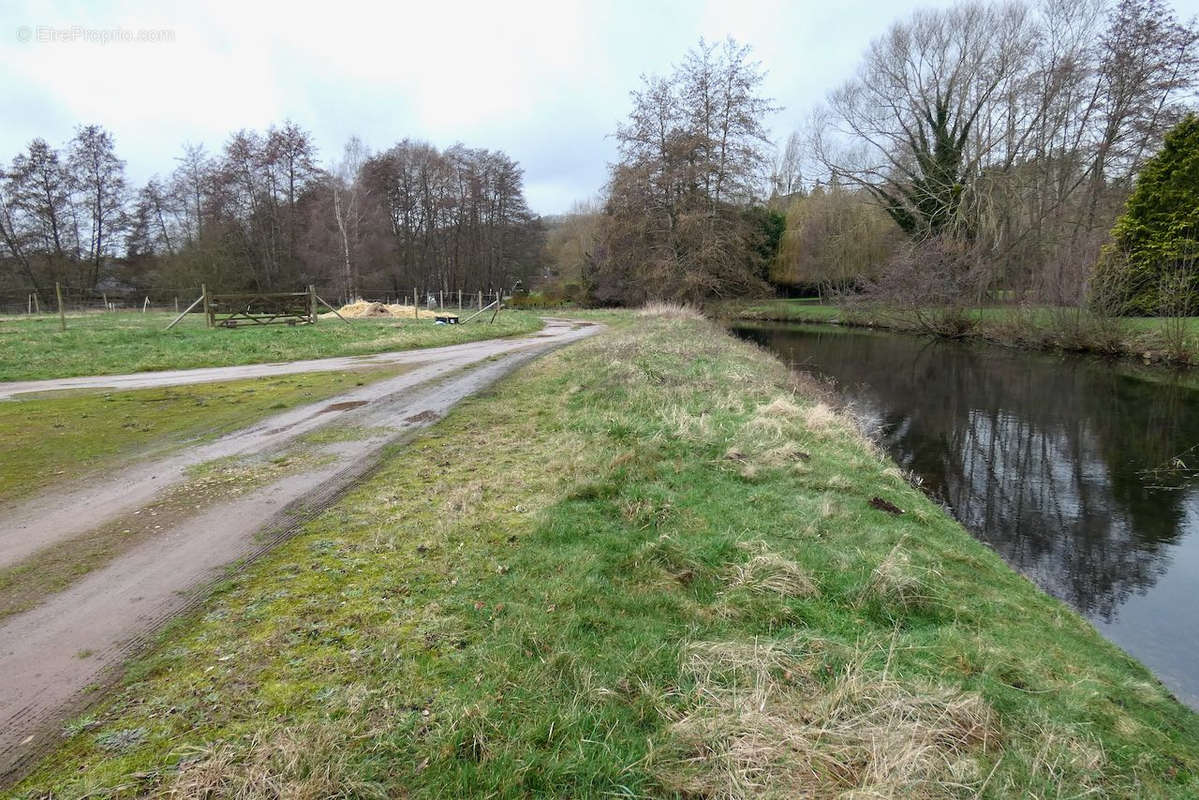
{"x":545,"y":82}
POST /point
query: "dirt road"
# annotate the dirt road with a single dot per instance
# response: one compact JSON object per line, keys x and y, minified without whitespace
{"x":52,"y":656}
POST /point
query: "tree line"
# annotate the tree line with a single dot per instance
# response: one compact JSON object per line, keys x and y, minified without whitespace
{"x":263,"y":214}
{"x":980,"y":151}
{"x":1005,"y":138}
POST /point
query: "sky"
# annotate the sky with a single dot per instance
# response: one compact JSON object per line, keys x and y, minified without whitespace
{"x":546,"y":82}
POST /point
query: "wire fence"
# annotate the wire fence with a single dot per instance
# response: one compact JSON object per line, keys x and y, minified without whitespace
{"x":76,"y":300}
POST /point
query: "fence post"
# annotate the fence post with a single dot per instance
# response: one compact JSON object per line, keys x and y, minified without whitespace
{"x":459,"y":299}
{"x":312,"y":303}
{"x":207,"y":309}
{"x":37,"y":304}
{"x":105,"y":296}
{"x":480,"y":299}
{"x":176,"y":304}
{"x":415,"y":307}
{"x":62,"y":315}
{"x":441,"y":299}
{"x":30,"y":309}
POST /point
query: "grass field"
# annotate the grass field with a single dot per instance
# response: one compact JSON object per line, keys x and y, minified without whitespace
{"x":113,"y":343}
{"x":650,"y":564}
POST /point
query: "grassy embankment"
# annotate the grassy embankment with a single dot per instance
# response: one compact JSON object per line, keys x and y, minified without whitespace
{"x":650,"y":564}
{"x":1154,"y":339}
{"x":107,"y":344}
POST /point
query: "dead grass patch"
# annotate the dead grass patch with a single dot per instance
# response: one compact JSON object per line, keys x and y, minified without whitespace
{"x":463,"y":500}
{"x":897,"y":583}
{"x":764,"y":726}
{"x":297,"y":763}
{"x":786,"y":454}
{"x":822,"y":419}
{"x":670,"y":311}
{"x":767,"y":572}
{"x":686,"y":425}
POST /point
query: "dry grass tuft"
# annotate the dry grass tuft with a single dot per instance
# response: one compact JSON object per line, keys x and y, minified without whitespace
{"x":767,"y":572}
{"x":302,"y":764}
{"x":686,"y":425}
{"x":670,"y":310}
{"x":763,"y":726}
{"x":821,"y":418}
{"x":665,"y":552}
{"x":896,"y":583}
{"x":783,"y":407}
{"x":786,"y":454}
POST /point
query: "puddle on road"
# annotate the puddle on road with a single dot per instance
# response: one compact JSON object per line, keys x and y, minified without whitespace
{"x":348,"y":404}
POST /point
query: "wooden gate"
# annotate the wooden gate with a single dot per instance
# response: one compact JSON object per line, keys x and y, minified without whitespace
{"x":278,"y":308}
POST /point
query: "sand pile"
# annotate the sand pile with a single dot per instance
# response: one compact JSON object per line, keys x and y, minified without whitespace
{"x":364,"y":309}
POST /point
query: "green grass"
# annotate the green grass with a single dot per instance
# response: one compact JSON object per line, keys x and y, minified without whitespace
{"x":800,"y":310}
{"x":646,"y":565}
{"x":63,"y":437}
{"x":107,"y":344}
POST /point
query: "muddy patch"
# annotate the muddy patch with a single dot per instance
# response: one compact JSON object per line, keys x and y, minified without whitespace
{"x":345,"y":406}
{"x":424,"y":416}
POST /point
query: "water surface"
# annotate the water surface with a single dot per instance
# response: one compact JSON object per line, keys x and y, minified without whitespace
{"x":1082,"y":475}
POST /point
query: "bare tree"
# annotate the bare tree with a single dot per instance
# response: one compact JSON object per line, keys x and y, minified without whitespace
{"x":38,"y":188}
{"x":693,"y":155}
{"x":99,"y":176}
{"x":11,"y":235}
{"x":347,"y":208}
{"x":191,"y":182}
{"x":788,"y":177}
{"x":456,"y":219}
{"x":921,"y":115}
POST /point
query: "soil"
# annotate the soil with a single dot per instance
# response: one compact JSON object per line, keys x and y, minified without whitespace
{"x":57,"y":657}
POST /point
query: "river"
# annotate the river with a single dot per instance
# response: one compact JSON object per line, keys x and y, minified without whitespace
{"x":1082,"y":474}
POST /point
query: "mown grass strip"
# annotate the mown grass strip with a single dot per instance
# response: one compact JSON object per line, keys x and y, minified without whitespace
{"x":651,"y":564}
{"x":64,"y":437}
{"x":32,"y":348}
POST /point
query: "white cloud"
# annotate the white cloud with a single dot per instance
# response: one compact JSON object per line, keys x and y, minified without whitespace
{"x":545,"y":81}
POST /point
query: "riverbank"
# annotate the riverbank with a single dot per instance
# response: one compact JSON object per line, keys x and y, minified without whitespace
{"x":1150,"y":340}
{"x":653,"y":563}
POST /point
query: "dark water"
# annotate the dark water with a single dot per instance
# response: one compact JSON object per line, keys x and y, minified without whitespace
{"x":1085,"y":478}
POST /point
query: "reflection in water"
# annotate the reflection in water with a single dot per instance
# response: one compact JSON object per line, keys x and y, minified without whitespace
{"x":1044,"y":459}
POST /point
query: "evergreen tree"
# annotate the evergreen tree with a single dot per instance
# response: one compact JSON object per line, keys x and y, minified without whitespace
{"x":1151,"y":261}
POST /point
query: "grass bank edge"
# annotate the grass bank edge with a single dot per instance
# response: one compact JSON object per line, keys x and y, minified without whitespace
{"x":649,"y":564}
{"x":1148,"y":340}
